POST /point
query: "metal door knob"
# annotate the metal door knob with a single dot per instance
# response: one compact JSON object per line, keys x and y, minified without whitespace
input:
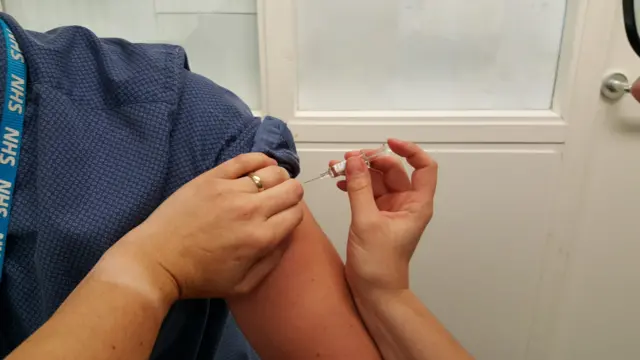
{"x":615,"y":86}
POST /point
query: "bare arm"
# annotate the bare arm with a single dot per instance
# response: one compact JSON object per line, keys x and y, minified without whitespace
{"x":389,"y":214}
{"x":117,"y":309}
{"x":304,"y":309}
{"x":405,"y":329}
{"x":115,"y":313}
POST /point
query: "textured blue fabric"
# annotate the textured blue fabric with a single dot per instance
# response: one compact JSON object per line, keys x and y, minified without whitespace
{"x":111,"y":130}
{"x":233,"y":345}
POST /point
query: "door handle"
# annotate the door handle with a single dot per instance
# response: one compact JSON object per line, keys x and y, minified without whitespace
{"x":616,"y":85}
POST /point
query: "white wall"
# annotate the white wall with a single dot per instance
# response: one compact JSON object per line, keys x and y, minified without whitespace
{"x":480,"y":260}
{"x":228,"y":30}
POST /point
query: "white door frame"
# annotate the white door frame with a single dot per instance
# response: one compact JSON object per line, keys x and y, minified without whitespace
{"x":598,"y":19}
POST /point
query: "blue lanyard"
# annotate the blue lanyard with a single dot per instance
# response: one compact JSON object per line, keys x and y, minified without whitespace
{"x":15,"y":102}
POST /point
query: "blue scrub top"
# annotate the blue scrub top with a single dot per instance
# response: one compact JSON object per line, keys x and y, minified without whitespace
{"x":111,"y":130}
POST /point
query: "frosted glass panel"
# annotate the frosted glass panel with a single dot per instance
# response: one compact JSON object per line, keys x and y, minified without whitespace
{"x":220,"y":36}
{"x":427,"y":54}
{"x":132,"y":20}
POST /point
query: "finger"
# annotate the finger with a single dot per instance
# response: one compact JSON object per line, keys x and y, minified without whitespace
{"x":283,"y":223}
{"x":280,"y":198}
{"x":377,"y":180}
{"x":353,"y":153}
{"x":261,"y":269}
{"x":425,"y":176}
{"x":242,"y":165}
{"x":395,"y":176}
{"x":342,"y":185}
{"x":269,"y":177}
{"x":414,"y":154}
{"x":360,"y":189}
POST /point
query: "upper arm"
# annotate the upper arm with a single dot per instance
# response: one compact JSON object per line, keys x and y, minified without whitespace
{"x":304,"y":308}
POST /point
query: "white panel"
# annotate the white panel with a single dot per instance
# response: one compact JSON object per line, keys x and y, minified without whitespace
{"x":206,"y":6}
{"x":481,"y":258}
{"x":602,"y":297}
{"x":599,"y":315}
{"x":223,"y":48}
{"x":534,"y":126}
{"x":427,"y":54}
{"x":132,"y":20}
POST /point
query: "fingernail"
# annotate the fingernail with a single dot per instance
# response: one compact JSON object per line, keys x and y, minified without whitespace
{"x":355,"y":165}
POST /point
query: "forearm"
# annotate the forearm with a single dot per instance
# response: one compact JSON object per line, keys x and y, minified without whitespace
{"x":404,"y":329}
{"x":114,"y":313}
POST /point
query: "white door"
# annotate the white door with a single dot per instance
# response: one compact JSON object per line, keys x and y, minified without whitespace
{"x":599,"y":316}
{"x":504,"y":93}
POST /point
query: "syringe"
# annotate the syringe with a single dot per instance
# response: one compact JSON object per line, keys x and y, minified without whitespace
{"x":339,"y":168}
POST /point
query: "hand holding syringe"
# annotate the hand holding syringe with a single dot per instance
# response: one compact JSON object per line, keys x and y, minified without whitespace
{"x":389,"y":212}
{"x":339,"y":169}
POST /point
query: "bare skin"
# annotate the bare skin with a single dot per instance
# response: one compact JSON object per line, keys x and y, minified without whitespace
{"x":390,"y":211}
{"x":191,"y":249}
{"x":282,"y":278}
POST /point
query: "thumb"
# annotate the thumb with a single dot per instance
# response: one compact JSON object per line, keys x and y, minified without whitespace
{"x":360,"y":190}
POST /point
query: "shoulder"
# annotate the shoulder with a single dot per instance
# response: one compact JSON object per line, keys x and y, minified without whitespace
{"x":225,"y":126}
{"x":210,"y":123}
{"x":99,"y":72}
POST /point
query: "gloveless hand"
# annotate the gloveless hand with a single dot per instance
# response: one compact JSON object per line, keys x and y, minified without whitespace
{"x":389,"y":212}
{"x":218,"y":236}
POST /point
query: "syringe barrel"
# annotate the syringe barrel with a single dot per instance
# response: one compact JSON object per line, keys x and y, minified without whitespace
{"x":338,"y":169}
{"x":381,"y":151}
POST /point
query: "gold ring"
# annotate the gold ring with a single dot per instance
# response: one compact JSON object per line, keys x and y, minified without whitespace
{"x":256,"y":180}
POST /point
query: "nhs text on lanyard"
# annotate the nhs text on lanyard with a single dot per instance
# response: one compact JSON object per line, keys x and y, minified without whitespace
{"x":15,"y":95}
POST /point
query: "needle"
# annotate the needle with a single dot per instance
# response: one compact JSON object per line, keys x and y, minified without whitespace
{"x":339,"y":169}
{"x":323,"y":175}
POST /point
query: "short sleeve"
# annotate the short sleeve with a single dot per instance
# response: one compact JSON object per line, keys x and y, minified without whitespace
{"x":219,"y":126}
{"x":274,"y":138}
